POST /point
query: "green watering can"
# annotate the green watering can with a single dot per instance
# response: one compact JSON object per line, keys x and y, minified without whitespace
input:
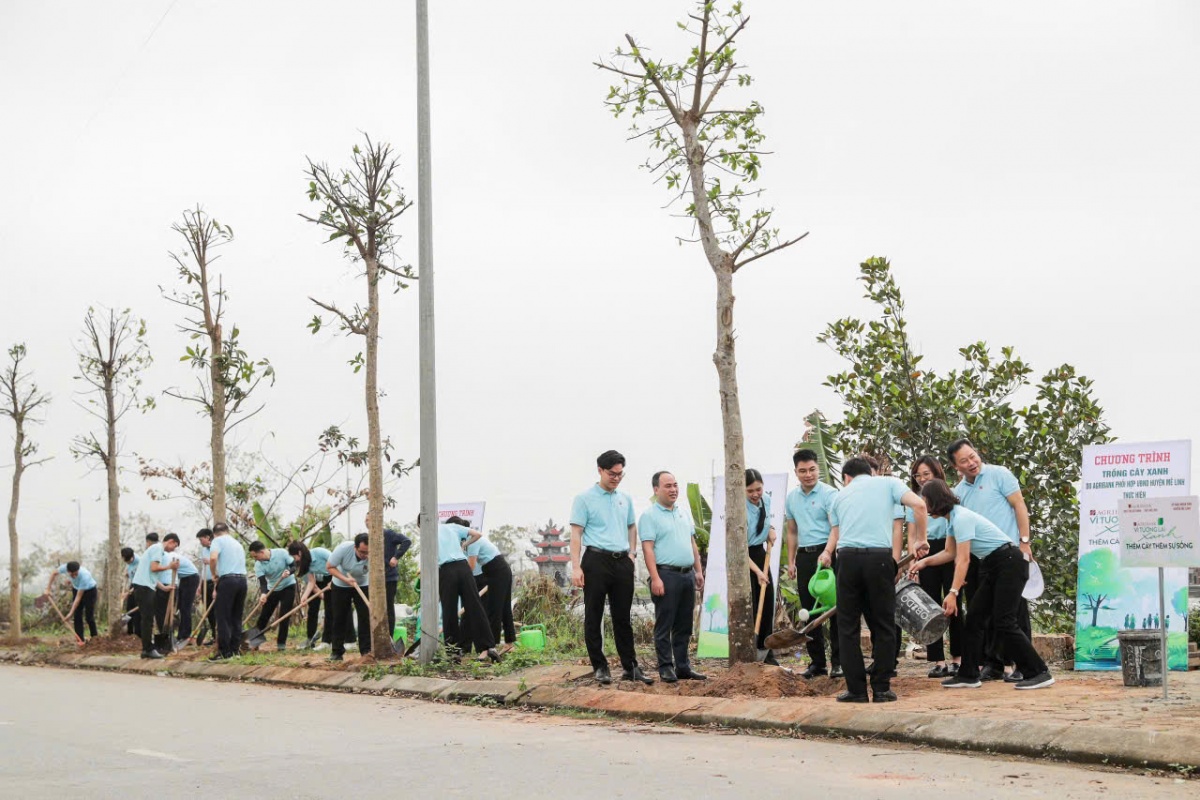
{"x":532,"y":637}
{"x":823,"y":587}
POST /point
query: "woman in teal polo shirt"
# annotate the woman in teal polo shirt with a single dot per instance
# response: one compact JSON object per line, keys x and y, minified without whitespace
{"x":937,"y":580}
{"x":759,"y":532}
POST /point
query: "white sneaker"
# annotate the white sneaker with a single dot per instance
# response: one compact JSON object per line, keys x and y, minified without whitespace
{"x":321,"y":646}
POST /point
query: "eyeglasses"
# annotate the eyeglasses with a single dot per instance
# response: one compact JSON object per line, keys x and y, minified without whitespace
{"x":614,"y":475}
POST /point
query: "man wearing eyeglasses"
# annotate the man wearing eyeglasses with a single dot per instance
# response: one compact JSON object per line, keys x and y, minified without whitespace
{"x":602,"y":521}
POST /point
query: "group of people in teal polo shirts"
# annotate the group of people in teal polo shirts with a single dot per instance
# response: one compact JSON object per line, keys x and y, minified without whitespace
{"x":972,"y":541}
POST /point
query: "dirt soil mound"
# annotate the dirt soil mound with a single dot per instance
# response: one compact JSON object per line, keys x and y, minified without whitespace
{"x":103,"y":645}
{"x":765,"y":682}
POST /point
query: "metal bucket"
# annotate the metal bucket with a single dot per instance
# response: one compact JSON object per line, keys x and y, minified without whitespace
{"x":1141,"y":657}
{"x":918,"y":614}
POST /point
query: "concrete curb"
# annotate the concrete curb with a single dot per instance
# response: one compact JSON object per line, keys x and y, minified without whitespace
{"x":1088,"y":744}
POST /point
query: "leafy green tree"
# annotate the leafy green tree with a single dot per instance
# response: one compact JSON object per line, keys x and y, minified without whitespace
{"x":1179,"y":601}
{"x":113,"y":354}
{"x":897,"y":409}
{"x":21,"y":401}
{"x":228,"y":375}
{"x":359,"y":207}
{"x":712,"y":606}
{"x":1102,"y":580}
{"x":707,"y":150}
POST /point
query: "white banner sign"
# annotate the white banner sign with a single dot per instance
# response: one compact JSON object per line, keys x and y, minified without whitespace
{"x":471,"y":512}
{"x":1160,"y":532}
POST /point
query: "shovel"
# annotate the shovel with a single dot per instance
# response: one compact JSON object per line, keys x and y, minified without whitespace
{"x":170,"y":618}
{"x":412,"y":648}
{"x":791,"y":638}
{"x":255,"y":633}
{"x":204,"y":616}
{"x":255,"y":638}
{"x":66,"y":624}
{"x":762,"y":598}
{"x":127,"y":617}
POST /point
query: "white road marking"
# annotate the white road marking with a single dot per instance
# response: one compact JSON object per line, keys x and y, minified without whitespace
{"x":156,"y":754}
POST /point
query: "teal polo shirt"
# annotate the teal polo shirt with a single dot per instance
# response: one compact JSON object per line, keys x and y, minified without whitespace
{"x":752,"y":511}
{"x":347,"y":561}
{"x":273,"y":567}
{"x":450,"y":538}
{"x":810,"y":512}
{"x":320,"y":560}
{"x":82,"y":581}
{"x":143,"y":576}
{"x":967,"y":526}
{"x":864,"y":510}
{"x":205,"y":570}
{"x":186,"y":568}
{"x":231,"y":556}
{"x":988,"y":496}
{"x":936,"y":527}
{"x":671,"y":531}
{"x":605,"y":518}
{"x":483,"y":551}
{"x":131,"y":568}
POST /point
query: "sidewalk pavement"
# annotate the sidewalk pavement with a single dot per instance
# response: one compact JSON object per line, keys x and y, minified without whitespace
{"x":1084,"y":717}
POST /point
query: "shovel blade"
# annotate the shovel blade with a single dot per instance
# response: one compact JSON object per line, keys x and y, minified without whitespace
{"x":781,"y":640}
{"x":253,"y":639}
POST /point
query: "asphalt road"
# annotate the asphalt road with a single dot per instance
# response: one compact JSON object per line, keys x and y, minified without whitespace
{"x":70,"y":733}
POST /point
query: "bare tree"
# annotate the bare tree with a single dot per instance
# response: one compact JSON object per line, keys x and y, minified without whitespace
{"x":113,"y":354}
{"x":359,"y":206}
{"x":20,"y":399}
{"x":708,"y":152}
{"x":228,"y":375}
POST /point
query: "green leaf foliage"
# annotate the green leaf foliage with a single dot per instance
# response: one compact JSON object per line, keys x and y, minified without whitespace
{"x":897,"y":409}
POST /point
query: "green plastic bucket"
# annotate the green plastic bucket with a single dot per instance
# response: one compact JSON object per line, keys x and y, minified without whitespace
{"x":532,"y":637}
{"x":823,"y":587}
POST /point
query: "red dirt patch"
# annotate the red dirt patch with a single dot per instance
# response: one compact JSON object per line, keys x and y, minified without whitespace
{"x":766,"y":682}
{"x":107,"y":645}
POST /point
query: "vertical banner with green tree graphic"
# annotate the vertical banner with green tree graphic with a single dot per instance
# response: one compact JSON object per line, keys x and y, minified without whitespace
{"x":1109,"y":597}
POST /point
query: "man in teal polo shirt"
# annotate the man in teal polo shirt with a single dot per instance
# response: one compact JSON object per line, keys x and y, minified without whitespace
{"x":993,"y":492}
{"x":807,"y":527}
{"x":861,"y":536}
{"x":276,"y":586}
{"x":349,"y":567}
{"x":83,"y":596}
{"x":145,"y":588}
{"x":668,"y":539}
{"x":602,"y":521}
{"x":228,"y":562}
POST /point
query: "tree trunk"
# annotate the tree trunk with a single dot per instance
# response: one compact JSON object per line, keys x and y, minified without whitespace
{"x":737,"y":558}
{"x":1096,"y":612}
{"x":217,"y":437}
{"x":381,"y":637}
{"x":112,"y":566}
{"x":14,"y":560}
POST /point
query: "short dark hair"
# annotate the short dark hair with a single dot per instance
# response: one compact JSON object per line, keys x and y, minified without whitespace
{"x":609,"y":459}
{"x":220,"y":527}
{"x":856,"y":466}
{"x":457,"y":520}
{"x":361,"y":538}
{"x":152,"y":537}
{"x":753,"y":476}
{"x":654,"y":479}
{"x":873,"y":461}
{"x":127,"y":554}
{"x":72,"y":566}
{"x":171,"y":537}
{"x":934,"y":465}
{"x":257,"y":547}
{"x":939,"y":498}
{"x":204,"y":533}
{"x":803,"y":455}
{"x":956,"y":445}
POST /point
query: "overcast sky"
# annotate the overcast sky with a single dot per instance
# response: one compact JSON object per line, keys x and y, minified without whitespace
{"x":1030,"y":168}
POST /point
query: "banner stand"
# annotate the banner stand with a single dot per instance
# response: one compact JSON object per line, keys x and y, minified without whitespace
{"x":1162,"y":611}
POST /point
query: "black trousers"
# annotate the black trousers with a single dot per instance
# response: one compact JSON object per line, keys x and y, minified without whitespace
{"x":314,"y":611}
{"x":161,"y":600}
{"x":391,"y":606}
{"x":284,"y":600}
{"x":993,"y":651}
{"x":1002,"y":577}
{"x":231,"y":602}
{"x":866,"y":586}
{"x":206,"y":599}
{"x":498,"y":601}
{"x":85,"y":609}
{"x":464,"y":627}
{"x":145,"y":596}
{"x":673,"y":618}
{"x":758,"y":554}
{"x":133,"y":627}
{"x":806,"y":567}
{"x":456,"y":585}
{"x":608,"y":577}
{"x":185,"y":601}
{"x":936,"y":581}
{"x":345,"y":600}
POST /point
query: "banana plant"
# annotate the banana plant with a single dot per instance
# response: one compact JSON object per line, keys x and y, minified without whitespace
{"x":701,"y":516}
{"x":818,"y":439}
{"x":268,"y":532}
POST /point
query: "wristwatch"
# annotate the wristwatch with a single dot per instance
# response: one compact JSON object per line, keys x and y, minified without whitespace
{"x":1024,"y":540}
{"x":954,"y":592}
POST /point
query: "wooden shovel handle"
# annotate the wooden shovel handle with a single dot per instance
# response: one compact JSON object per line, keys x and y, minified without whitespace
{"x":66,"y":624}
{"x":762,"y":592}
{"x":299,"y":607}
{"x":482,"y":592}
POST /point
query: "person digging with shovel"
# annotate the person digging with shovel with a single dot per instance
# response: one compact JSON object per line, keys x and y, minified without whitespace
{"x":145,"y":588}
{"x":761,"y":536}
{"x":274,"y":568}
{"x":456,"y":585}
{"x":349,"y":568}
{"x":83,"y":596}
{"x":132,"y":612}
{"x":189,"y":584}
{"x":165,"y":566}
{"x":316,"y":580}
{"x":228,"y":562}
